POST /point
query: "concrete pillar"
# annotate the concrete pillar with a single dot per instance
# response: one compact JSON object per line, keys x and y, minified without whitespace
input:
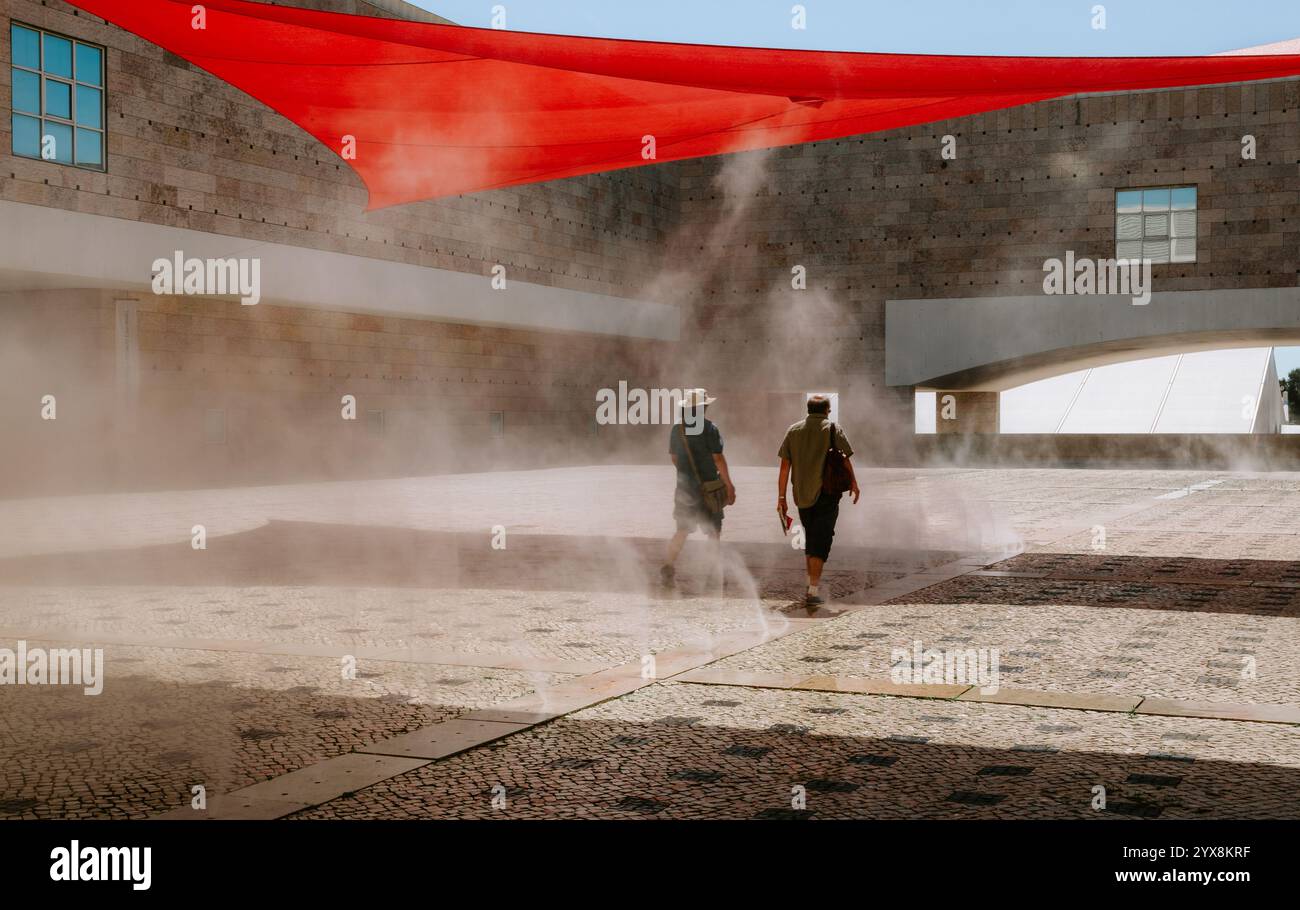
{"x":966,"y":412}
{"x":126,"y":354}
{"x":126,"y":376}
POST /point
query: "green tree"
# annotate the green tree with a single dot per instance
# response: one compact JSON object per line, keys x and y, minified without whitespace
{"x":1292,"y":386}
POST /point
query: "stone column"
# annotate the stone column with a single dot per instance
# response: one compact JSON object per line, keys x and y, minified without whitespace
{"x":126,"y":354}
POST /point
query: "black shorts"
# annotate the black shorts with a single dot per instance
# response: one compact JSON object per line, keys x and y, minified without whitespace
{"x":818,"y":522}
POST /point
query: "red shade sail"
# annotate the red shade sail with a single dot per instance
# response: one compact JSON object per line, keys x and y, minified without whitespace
{"x":437,"y":110}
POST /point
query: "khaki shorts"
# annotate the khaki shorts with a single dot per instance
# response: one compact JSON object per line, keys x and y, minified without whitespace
{"x":690,"y":513}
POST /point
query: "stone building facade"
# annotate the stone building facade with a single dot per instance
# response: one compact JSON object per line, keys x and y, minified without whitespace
{"x":887,"y":218}
{"x":232,"y":393}
{"x":778,"y":266}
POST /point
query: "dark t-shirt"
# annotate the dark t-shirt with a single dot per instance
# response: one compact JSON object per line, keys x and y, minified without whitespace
{"x":704,"y":446}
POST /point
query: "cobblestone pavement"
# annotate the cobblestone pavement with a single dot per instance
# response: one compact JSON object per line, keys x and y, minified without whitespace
{"x":170,"y":719}
{"x":688,"y":751}
{"x":224,"y":663}
{"x":552,"y":627}
{"x":1057,"y":648}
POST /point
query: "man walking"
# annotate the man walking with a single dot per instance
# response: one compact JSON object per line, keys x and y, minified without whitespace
{"x":803,"y":452}
{"x":703,"y":481}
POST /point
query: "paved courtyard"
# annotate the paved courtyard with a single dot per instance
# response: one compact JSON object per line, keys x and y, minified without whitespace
{"x":363,"y":650}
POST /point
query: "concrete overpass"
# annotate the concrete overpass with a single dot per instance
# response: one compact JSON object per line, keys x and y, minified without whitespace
{"x":969,"y":349}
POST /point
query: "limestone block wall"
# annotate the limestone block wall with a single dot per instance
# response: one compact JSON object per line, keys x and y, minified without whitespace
{"x":885,"y":217}
{"x":208,"y":392}
{"x":187,"y":150}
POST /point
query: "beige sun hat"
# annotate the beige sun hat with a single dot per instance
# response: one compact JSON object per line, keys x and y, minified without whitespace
{"x":694,"y":398}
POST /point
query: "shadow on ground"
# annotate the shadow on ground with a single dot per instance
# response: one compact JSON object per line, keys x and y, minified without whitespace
{"x":680,"y":768}
{"x":136,"y":749}
{"x":1253,"y":587}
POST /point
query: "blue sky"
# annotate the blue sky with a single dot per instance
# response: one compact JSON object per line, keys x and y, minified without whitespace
{"x":1049,"y":27}
{"x":1013,"y":27}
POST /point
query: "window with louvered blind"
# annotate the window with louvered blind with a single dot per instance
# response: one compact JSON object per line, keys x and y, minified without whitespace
{"x":1156,"y":224}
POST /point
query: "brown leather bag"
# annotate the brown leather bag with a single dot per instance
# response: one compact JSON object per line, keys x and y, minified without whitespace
{"x":836,"y":477}
{"x":713,"y":493}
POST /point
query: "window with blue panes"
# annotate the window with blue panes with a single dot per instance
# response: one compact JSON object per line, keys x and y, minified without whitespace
{"x":1157,"y":224}
{"x":58,"y":98}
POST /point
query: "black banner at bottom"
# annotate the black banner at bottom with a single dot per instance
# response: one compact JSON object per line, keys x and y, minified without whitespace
{"x":370,"y":859}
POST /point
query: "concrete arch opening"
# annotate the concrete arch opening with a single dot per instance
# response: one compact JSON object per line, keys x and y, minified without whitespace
{"x":970,"y":352}
{"x":1223,"y":391}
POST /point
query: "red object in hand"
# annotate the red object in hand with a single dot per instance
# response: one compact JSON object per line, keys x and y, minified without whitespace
{"x":786,"y":520}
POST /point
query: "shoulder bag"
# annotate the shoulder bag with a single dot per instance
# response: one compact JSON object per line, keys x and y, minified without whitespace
{"x":712,"y":492}
{"x":836,"y":478}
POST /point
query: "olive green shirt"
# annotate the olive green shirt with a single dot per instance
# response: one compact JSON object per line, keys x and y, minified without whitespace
{"x":805,"y":447}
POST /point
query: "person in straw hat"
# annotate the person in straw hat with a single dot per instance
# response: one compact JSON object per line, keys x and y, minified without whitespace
{"x":704,"y":484}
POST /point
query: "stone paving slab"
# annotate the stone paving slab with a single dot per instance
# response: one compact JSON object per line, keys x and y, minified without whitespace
{"x":719,"y":677}
{"x":443,"y":739}
{"x":232,"y":807}
{"x":1078,"y":701}
{"x":1273,"y":714}
{"x":881,"y":687}
{"x":524,"y":711}
{"x":331,"y":778}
